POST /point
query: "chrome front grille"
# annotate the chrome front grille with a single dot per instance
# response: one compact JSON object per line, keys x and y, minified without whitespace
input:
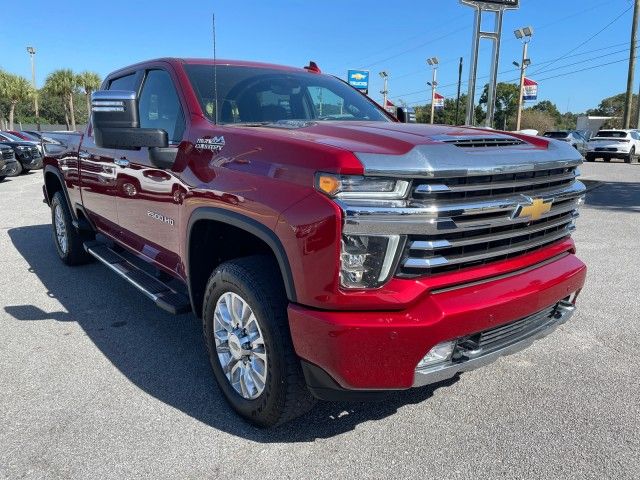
{"x":484,"y":219}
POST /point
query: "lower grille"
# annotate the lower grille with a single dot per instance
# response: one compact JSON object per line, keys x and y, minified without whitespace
{"x":495,"y":338}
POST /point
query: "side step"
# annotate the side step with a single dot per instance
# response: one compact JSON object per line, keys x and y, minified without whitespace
{"x":163,"y":295}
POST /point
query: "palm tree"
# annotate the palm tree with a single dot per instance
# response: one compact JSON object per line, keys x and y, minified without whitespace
{"x":15,"y":89}
{"x":89,"y":82}
{"x":63,"y":83}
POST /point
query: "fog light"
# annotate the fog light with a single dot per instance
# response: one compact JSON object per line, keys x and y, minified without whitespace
{"x":440,"y":353}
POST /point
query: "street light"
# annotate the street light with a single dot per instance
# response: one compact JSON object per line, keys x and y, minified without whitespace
{"x":32,"y":53}
{"x":433,"y":63}
{"x":384,"y":75}
{"x":524,"y":34}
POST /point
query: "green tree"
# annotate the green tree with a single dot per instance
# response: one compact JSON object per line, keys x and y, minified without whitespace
{"x":506,"y":104}
{"x":89,"y":82}
{"x":14,"y":89}
{"x":537,"y":119}
{"x":445,"y":116}
{"x":63,"y":83}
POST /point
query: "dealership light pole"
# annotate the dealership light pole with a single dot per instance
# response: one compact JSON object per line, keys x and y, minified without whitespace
{"x":524,"y":34}
{"x":459,"y":85}
{"x":632,"y":66}
{"x":385,"y":91}
{"x":433,"y":63}
{"x":32,"y":53}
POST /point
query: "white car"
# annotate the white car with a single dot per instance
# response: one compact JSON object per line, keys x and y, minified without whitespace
{"x":608,"y":144}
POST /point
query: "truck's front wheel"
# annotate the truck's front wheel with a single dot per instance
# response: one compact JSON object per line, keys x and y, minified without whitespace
{"x":68,"y":241}
{"x":247,"y":336}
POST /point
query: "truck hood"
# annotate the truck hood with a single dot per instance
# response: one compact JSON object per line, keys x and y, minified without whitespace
{"x":411,"y":150}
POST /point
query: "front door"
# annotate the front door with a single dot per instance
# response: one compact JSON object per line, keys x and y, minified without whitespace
{"x":149,"y":198}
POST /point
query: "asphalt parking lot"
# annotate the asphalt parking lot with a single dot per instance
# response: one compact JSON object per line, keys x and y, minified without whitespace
{"x":96,"y":382}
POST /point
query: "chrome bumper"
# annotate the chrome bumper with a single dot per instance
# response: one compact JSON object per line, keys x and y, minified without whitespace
{"x":438,"y":373}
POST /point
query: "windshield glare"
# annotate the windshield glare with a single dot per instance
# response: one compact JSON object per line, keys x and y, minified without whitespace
{"x":263,"y":95}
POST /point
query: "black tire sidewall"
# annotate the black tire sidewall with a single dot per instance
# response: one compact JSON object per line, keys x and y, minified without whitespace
{"x":262,"y":409}
{"x":66,"y":216}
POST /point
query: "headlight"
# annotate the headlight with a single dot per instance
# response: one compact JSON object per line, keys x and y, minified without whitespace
{"x":366,"y":261}
{"x":360,"y":187}
{"x":22,"y":147}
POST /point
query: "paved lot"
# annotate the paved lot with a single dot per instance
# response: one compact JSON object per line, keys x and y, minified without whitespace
{"x":95,"y":382}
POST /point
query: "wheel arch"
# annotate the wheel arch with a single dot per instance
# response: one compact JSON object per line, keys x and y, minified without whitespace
{"x":54,"y":182}
{"x":240,"y":223}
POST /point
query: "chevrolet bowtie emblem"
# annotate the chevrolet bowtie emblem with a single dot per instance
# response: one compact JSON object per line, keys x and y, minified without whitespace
{"x":535,"y":210}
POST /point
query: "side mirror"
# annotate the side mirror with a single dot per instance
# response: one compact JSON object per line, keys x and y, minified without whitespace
{"x":115,"y":123}
{"x":406,"y":114}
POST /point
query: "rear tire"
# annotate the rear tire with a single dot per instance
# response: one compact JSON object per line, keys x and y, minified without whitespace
{"x":2,"y":177}
{"x":590,"y":158}
{"x":68,"y":241}
{"x":631,"y":157}
{"x":245,"y":304}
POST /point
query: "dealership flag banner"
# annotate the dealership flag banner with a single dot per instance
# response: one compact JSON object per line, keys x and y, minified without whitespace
{"x":438,"y":101}
{"x":390,"y":107}
{"x":530,"y":90}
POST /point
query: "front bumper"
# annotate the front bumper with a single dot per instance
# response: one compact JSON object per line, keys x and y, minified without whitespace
{"x":369,"y":351}
{"x":31,"y":163}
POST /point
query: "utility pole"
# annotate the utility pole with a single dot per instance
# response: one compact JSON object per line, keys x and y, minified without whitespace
{"x":632,"y":65}
{"x":459,"y":85}
{"x":385,"y":89}
{"x":525,"y":35}
{"x":32,"y":53}
{"x":433,"y":63}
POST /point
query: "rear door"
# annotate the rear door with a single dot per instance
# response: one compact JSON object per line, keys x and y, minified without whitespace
{"x":149,"y":198}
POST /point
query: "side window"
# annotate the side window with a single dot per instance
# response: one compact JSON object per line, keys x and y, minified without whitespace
{"x":128,"y":82}
{"x":159,"y":106}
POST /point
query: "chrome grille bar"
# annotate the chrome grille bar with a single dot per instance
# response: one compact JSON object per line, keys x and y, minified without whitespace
{"x":427,"y":188}
{"x":426,"y":263}
{"x":439,"y":244}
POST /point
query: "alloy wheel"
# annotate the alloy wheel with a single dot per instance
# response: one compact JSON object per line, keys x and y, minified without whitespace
{"x":240,"y":345}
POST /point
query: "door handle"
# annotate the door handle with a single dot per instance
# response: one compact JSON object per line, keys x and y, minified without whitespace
{"x":121,"y":162}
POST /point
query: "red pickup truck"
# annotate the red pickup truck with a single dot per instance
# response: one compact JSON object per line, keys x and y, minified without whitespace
{"x":331,"y":250}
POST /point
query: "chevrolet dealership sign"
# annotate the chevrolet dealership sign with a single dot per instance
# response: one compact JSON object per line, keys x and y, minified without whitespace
{"x":492,"y":4}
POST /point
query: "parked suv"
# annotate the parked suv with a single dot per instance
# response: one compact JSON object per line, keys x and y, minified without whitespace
{"x":27,"y":153}
{"x":608,"y":144}
{"x":329,"y":250}
{"x":572,"y":137}
{"x":9,"y":166}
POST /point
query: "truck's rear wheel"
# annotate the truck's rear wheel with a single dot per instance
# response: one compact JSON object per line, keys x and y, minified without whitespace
{"x":67,"y":239}
{"x":247,"y":336}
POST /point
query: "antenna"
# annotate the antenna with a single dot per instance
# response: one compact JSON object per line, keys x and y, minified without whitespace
{"x":215,"y":71}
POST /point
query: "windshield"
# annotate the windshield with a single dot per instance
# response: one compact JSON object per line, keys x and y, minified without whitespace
{"x":611,"y":134}
{"x":259,"y":95}
{"x":556,"y":134}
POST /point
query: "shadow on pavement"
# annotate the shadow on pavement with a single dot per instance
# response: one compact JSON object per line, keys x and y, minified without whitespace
{"x":164,"y":355}
{"x":619,"y":196}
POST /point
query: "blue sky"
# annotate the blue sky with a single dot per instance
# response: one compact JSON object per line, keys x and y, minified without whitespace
{"x":377,"y":35}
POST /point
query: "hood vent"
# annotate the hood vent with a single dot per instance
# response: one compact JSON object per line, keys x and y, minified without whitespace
{"x":484,"y":142}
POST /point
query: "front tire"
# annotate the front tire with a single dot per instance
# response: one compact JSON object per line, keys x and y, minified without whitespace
{"x":247,"y":336}
{"x":68,"y":241}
